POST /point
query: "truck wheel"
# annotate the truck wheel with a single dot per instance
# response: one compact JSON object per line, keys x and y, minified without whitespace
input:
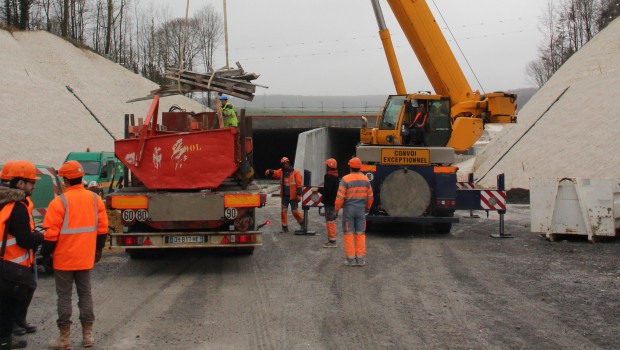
{"x":135,"y":253}
{"x":443,"y":228}
{"x":245,"y":251}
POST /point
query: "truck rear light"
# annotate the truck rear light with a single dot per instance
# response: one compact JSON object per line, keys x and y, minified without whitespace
{"x":130,"y":240}
{"x":128,"y":202}
{"x":445,"y":169}
{"x":228,"y":239}
{"x":368,"y":168}
{"x":442,"y":203}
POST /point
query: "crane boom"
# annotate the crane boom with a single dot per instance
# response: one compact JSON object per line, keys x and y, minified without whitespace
{"x":432,"y":49}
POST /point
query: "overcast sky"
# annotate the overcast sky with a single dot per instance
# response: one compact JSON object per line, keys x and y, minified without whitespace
{"x":331,"y":47}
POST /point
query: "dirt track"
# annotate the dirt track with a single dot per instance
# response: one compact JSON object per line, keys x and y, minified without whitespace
{"x":422,"y":291}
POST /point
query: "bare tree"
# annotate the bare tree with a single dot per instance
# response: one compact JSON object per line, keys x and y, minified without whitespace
{"x":109,"y":27}
{"x":568,"y":25}
{"x":610,"y":9}
{"x":209,"y":33}
{"x":65,"y":19}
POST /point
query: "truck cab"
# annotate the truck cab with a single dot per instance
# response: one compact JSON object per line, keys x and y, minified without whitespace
{"x":394,"y":123}
{"x":101,"y":169}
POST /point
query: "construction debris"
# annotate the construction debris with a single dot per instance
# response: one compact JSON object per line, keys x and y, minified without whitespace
{"x":233,"y":82}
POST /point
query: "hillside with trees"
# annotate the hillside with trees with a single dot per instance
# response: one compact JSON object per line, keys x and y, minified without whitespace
{"x":567,"y":25}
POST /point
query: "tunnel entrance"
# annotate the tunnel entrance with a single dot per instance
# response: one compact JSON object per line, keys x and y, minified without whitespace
{"x":270,"y":145}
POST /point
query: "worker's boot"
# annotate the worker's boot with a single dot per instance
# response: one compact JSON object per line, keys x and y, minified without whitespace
{"x":5,"y":343}
{"x":63,"y":342}
{"x":87,"y":335}
{"x":330,"y":244}
{"x":17,"y":330}
{"x":18,"y":343}
{"x":25,"y":328}
{"x":284,"y":229}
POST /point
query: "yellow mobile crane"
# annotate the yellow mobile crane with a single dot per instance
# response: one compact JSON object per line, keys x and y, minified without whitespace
{"x":456,"y":112}
{"x":410,"y":166}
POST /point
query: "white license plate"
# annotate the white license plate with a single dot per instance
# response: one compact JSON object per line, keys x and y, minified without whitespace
{"x":187,"y":239}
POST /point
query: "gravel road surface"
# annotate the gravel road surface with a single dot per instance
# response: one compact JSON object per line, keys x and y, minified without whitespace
{"x":420,"y":290}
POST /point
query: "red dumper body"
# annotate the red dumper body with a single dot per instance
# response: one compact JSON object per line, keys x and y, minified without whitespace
{"x":187,"y":185}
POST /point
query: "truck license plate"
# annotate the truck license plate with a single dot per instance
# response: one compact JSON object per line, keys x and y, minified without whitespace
{"x":187,"y":239}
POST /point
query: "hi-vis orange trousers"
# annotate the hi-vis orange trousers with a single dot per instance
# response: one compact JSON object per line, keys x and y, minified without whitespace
{"x":294,"y":211}
{"x":330,"y":222}
{"x":354,"y":227}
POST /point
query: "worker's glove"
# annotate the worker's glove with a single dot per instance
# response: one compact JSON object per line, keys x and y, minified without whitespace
{"x":268,"y":173}
{"x":298,"y":199}
{"x":98,"y":254}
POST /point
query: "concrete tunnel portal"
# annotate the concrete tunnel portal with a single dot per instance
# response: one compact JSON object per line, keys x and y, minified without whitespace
{"x":306,"y":140}
{"x":270,"y":145}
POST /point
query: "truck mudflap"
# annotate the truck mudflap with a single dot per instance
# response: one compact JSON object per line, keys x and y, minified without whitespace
{"x":163,"y":240}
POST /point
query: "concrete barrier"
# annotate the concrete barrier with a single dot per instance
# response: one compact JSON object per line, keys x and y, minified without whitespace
{"x":575,"y":206}
{"x":313,"y":148}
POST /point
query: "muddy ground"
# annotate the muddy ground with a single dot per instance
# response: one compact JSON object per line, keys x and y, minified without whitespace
{"x":420,"y":290}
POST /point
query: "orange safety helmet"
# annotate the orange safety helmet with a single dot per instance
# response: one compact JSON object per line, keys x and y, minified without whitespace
{"x":71,"y":170}
{"x":5,"y":171}
{"x":23,"y":169}
{"x":331,"y":162}
{"x":284,"y":160}
{"x":355,"y":163}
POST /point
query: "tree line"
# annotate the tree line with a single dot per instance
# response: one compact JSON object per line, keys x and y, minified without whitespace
{"x":567,"y":26}
{"x":130,"y":32}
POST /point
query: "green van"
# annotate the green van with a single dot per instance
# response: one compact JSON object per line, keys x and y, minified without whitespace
{"x":101,"y":168}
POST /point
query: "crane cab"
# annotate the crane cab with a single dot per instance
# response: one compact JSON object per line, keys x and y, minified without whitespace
{"x":411,"y":120}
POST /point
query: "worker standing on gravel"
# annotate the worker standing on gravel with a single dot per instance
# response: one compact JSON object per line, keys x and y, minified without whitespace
{"x":290,"y":191}
{"x":228,"y":111}
{"x":77,"y":225}
{"x":329,"y":192}
{"x":355,"y":197}
{"x":21,"y":326}
{"x":18,"y":281}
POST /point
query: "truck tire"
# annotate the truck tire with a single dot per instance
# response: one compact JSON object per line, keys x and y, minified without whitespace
{"x":245,"y":251}
{"x":405,"y":193}
{"x":136,"y":253}
{"x":442,"y":227}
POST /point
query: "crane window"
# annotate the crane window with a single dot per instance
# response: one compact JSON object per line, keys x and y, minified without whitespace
{"x":439,"y":123}
{"x":389,"y":120}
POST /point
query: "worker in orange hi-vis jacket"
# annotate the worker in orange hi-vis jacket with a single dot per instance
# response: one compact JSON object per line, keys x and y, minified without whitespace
{"x":355,"y":197}
{"x":290,"y":191}
{"x":77,"y":226}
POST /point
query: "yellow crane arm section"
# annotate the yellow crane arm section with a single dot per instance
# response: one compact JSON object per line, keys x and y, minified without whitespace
{"x":432,"y":49}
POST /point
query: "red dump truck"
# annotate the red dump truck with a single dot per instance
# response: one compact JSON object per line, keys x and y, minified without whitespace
{"x":187,"y":184}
